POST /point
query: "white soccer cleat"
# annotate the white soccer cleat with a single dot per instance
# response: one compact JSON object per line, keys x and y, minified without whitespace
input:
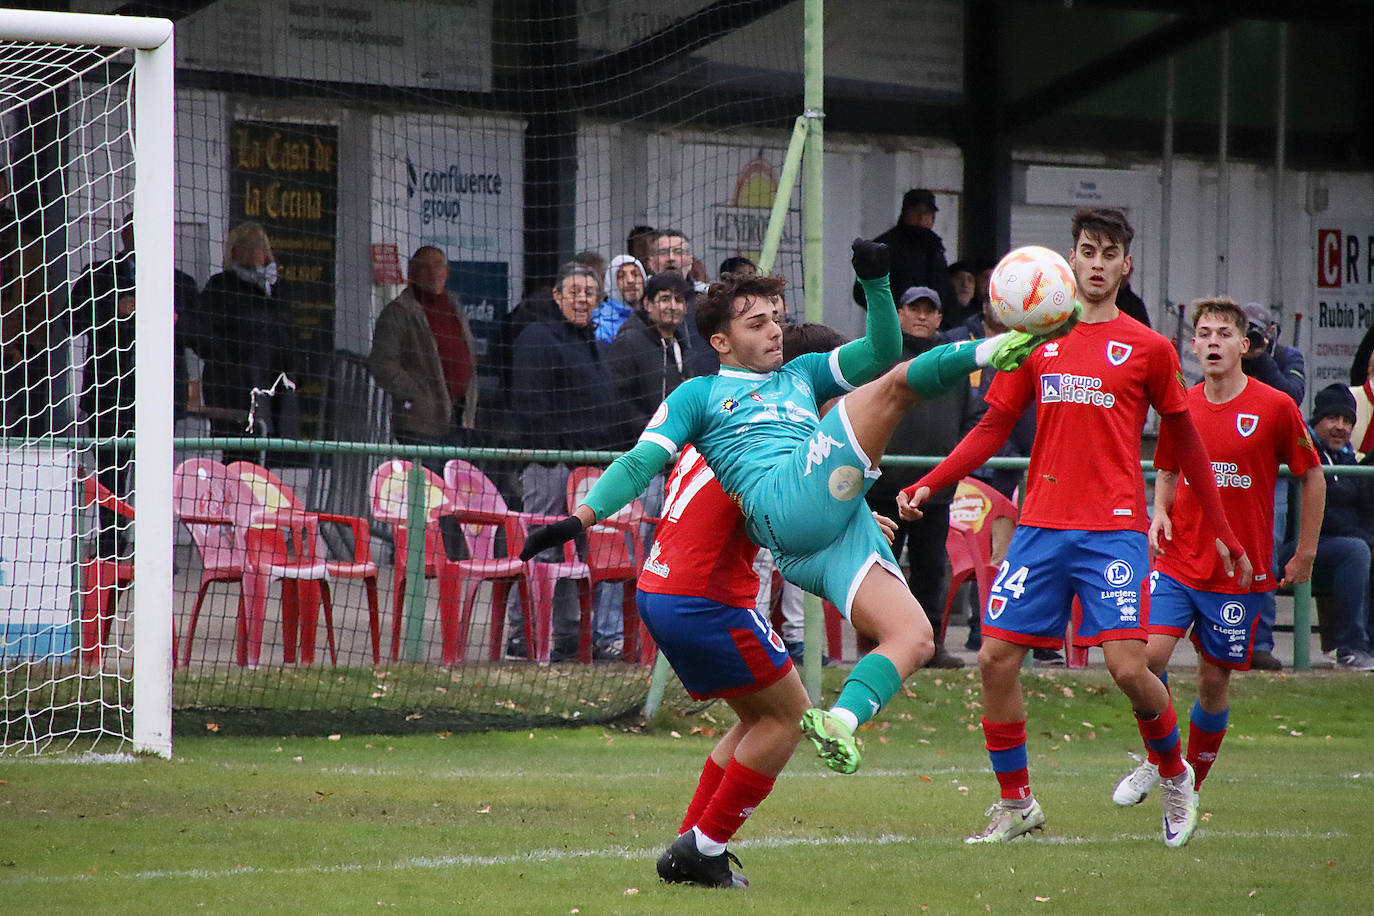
{"x":1180,"y":807}
{"x":1008,"y":822}
{"x":1136,"y":785}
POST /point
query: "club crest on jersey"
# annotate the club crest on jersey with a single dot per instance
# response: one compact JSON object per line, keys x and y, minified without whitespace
{"x":1246,"y":424}
{"x":1117,"y":353}
{"x":728,"y":405}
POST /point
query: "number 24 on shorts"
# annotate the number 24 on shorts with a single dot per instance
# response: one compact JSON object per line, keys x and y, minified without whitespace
{"x":1015,"y":583}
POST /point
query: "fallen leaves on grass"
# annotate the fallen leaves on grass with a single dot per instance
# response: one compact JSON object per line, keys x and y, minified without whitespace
{"x":212,"y":726}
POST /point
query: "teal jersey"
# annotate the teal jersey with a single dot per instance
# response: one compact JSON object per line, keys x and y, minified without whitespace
{"x":746,"y":423}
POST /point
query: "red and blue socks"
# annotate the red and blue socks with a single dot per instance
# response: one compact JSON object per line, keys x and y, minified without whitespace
{"x":1205,"y":731}
{"x":1161,"y":736}
{"x":1006,"y":744}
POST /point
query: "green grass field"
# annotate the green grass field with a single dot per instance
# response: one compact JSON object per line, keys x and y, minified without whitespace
{"x":571,"y":821}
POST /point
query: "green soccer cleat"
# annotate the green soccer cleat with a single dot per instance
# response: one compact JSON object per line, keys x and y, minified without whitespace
{"x":1017,"y":346}
{"x":834,"y":741}
{"x":1007,"y":823}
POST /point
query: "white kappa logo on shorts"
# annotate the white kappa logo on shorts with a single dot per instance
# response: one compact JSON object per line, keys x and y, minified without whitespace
{"x":1118,"y":573}
{"x":1232,"y":613}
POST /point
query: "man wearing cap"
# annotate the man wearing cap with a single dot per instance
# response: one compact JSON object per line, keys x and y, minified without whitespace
{"x":1341,"y":571}
{"x":932,"y":427}
{"x":918,"y":254}
{"x":1268,"y":360}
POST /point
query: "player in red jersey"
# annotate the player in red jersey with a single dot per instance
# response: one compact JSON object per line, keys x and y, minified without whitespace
{"x":1083,"y":529}
{"x":1249,"y":429}
{"x":696,"y":596}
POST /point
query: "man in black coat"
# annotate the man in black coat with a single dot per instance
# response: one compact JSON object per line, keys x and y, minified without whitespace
{"x":647,"y":357}
{"x":918,"y":254}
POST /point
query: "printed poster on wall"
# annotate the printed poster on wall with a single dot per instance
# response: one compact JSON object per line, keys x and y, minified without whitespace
{"x":1343,"y":304}
{"x":456,"y":183}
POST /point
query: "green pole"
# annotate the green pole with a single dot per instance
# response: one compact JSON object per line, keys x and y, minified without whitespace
{"x":658,"y":682}
{"x":1302,"y":606}
{"x":813,"y":263}
{"x":415,"y":564}
{"x":783,"y":198}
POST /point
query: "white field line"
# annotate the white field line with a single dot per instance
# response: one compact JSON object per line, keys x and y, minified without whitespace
{"x":540,"y":856}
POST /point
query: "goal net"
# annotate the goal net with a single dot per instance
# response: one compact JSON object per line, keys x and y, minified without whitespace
{"x":70,"y":188}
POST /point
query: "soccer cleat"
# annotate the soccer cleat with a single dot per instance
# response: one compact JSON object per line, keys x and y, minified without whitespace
{"x":1136,"y":785}
{"x":1180,"y":807}
{"x":1007,"y":822}
{"x":683,"y":863}
{"x":834,"y":741}
{"x":1013,"y":350}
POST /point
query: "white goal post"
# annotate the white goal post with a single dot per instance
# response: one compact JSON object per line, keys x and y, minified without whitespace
{"x":21,"y":70}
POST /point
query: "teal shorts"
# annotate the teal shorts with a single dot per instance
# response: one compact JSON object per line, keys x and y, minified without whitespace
{"x":810,"y":512}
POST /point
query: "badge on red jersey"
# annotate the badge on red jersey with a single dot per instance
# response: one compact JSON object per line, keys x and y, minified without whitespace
{"x":1117,"y":352}
{"x":1246,"y":424}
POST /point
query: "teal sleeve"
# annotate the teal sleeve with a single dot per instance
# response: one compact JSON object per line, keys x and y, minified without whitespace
{"x":864,"y":359}
{"x":626,"y":478}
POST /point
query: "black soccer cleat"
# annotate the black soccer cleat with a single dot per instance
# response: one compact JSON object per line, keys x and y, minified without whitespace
{"x":682,"y":863}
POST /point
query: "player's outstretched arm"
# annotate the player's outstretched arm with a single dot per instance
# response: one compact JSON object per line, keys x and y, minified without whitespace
{"x":864,"y":359}
{"x":981,"y":443}
{"x":625,"y":479}
{"x":1161,"y":526}
{"x":1197,"y":467}
{"x":1299,"y":568}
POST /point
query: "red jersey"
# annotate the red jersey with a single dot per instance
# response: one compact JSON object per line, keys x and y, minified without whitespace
{"x":1246,"y":438}
{"x":700,"y":548}
{"x":1092,"y":390}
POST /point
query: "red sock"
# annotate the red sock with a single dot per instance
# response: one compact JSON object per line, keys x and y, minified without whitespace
{"x":1161,"y":736}
{"x":741,"y":791}
{"x":1202,"y":751}
{"x":1006,"y":744}
{"x":711,"y":775}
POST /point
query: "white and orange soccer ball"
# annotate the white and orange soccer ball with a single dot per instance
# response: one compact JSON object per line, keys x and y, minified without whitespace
{"x":1032,"y":289}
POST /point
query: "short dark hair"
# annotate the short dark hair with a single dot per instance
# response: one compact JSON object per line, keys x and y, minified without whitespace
{"x":715,"y":311}
{"x":809,"y":338}
{"x":674,"y":282}
{"x":660,"y":233}
{"x":1104,"y":222}
{"x":731,"y":265}
{"x":637,"y":233}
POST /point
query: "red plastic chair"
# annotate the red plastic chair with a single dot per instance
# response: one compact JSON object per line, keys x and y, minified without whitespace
{"x":615,"y":553}
{"x":274,"y":496}
{"x":458,"y":579}
{"x":101,"y":578}
{"x":969,"y":542}
{"x":240,"y":542}
{"x":472,"y":489}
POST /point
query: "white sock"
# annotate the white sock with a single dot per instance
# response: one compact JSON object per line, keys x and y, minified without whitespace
{"x":986,"y":347}
{"x":845,"y":716}
{"x":707,"y":846}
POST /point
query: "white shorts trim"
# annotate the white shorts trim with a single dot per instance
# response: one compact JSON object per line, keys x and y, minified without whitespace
{"x":873,"y":558}
{"x":870,"y":469}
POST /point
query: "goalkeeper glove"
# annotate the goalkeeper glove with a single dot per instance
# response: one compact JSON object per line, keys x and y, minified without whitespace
{"x":543,"y":537}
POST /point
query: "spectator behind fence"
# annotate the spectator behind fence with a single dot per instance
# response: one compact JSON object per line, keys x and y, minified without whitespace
{"x":639,"y":243}
{"x":967,"y":305}
{"x":918,"y":254}
{"x":738,"y":265}
{"x":564,"y":397}
{"x":623,"y":283}
{"x":249,"y":342}
{"x":672,"y":253}
{"x":26,"y":364}
{"x":1268,"y":360}
{"x":422,"y":354}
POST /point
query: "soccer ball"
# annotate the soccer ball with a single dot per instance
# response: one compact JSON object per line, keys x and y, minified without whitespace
{"x":1032,"y":289}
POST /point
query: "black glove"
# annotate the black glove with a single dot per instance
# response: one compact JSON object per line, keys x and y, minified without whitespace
{"x":871,"y":260}
{"x":543,"y":537}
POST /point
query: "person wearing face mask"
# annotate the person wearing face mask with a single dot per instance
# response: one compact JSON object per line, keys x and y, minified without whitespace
{"x":248,"y":318}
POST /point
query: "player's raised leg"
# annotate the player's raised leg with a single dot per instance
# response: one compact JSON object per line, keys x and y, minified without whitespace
{"x":1004,"y":734}
{"x":884,"y":610}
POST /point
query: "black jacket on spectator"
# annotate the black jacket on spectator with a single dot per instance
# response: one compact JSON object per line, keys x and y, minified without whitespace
{"x":1281,"y":367}
{"x":645,"y":367}
{"x":562,"y":393}
{"x":1349,"y":498}
{"x":108,"y":373}
{"x":249,"y":343}
{"x":918,"y":259}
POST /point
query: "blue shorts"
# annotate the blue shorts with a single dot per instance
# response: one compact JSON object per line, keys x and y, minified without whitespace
{"x":1223,"y":625}
{"x":1047,"y":568}
{"x":812,"y":515}
{"x":716,"y":650}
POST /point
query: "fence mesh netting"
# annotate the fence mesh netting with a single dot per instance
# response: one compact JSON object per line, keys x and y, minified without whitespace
{"x":375,"y":204}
